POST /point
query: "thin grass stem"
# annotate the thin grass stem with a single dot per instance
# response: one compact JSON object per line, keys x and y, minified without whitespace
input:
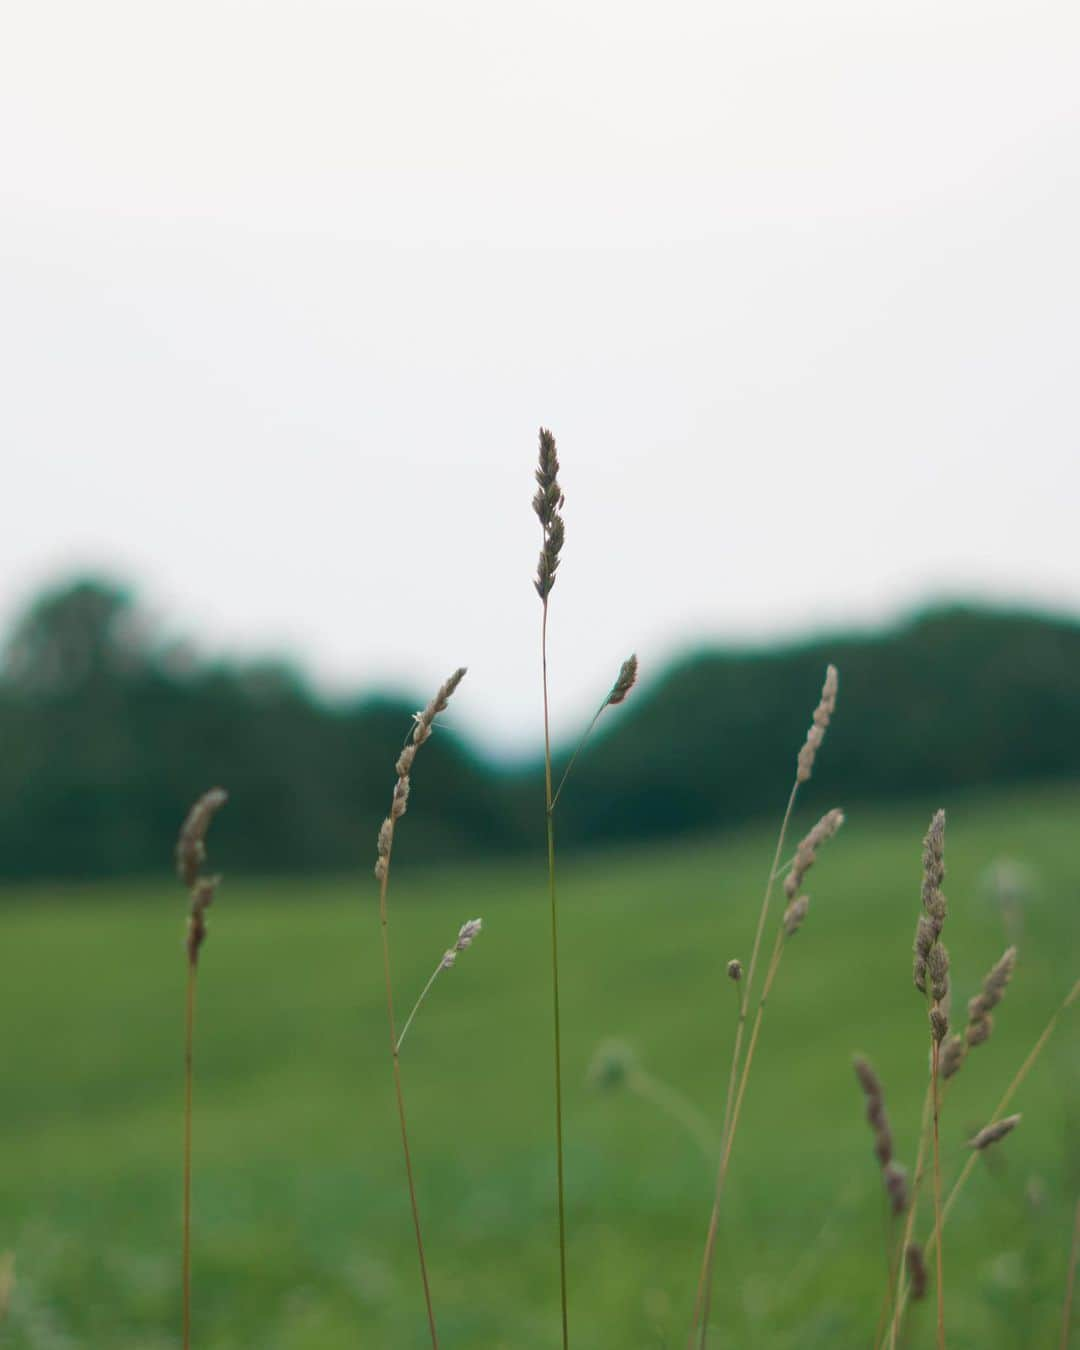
{"x":733,"y":1125}
{"x":909,"y":1226}
{"x":702,"y":1301}
{"x":549,"y":813}
{"x":416,"y":1006}
{"x":185,"y":1258}
{"x":399,"y":1094}
{"x":937,"y":1195}
{"x":573,"y":758}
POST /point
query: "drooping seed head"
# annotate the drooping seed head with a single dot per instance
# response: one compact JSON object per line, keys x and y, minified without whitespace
{"x":990,"y":1134}
{"x":822,"y":716}
{"x":894,"y":1178}
{"x":939,"y":1022}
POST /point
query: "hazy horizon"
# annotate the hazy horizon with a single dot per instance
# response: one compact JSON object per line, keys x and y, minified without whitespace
{"x":289,"y":290}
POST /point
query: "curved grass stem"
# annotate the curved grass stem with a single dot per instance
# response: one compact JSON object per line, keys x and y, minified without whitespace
{"x":703,"y":1299}
{"x":400,"y":1096}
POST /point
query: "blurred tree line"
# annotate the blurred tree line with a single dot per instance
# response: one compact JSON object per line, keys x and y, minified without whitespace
{"x":106,"y":736}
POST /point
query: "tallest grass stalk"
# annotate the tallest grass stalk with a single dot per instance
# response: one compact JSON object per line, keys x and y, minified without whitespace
{"x":547,"y":503}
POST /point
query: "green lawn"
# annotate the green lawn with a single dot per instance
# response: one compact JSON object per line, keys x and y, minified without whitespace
{"x":302,"y":1230}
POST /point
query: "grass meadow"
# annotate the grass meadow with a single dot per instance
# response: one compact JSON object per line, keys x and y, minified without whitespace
{"x":302,"y":1234}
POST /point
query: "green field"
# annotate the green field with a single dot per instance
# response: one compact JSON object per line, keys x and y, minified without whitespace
{"x":302,"y":1231}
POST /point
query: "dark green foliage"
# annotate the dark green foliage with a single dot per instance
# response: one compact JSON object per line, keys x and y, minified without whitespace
{"x":107,"y":736}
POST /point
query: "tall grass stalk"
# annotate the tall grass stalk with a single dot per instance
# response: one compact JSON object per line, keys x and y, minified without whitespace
{"x":190,"y":856}
{"x":804,"y":768}
{"x":547,"y":503}
{"x":398,"y":806}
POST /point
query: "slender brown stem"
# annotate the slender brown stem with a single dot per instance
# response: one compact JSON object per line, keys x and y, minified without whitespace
{"x":913,"y":1206}
{"x":1070,"y":1280}
{"x":966,"y":1171}
{"x":937,"y":1194}
{"x":701,"y":1303}
{"x":549,"y":812}
{"x":577,"y":751}
{"x":185,"y":1259}
{"x":385,"y":928}
{"x":725,"y":1157}
{"x":892,"y":1256}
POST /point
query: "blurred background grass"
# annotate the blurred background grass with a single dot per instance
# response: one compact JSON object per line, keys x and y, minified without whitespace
{"x":302,"y":1232}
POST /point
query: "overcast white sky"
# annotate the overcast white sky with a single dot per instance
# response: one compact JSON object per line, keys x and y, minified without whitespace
{"x":287,"y":288}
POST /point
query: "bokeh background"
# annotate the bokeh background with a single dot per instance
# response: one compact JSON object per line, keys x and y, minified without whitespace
{"x":288,"y":291}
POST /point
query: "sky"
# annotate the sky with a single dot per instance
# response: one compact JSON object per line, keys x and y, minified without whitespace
{"x":286,"y":290}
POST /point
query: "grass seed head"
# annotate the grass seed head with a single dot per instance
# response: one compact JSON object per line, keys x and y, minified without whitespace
{"x":893,"y":1176}
{"x":916,"y":1267}
{"x":422,"y":724}
{"x":190,"y":856}
{"x":981,"y":1020}
{"x":734,"y":970}
{"x":624,"y":682}
{"x":938,"y":968}
{"x":979,"y":1030}
{"x":467,"y":935}
{"x":795,"y":914}
{"x":191,"y":845}
{"x":548,"y":503}
{"x":952,"y":1056}
{"x":822,"y":717}
{"x":990,"y":1134}
{"x":895,"y":1179}
{"x":806,"y":853}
